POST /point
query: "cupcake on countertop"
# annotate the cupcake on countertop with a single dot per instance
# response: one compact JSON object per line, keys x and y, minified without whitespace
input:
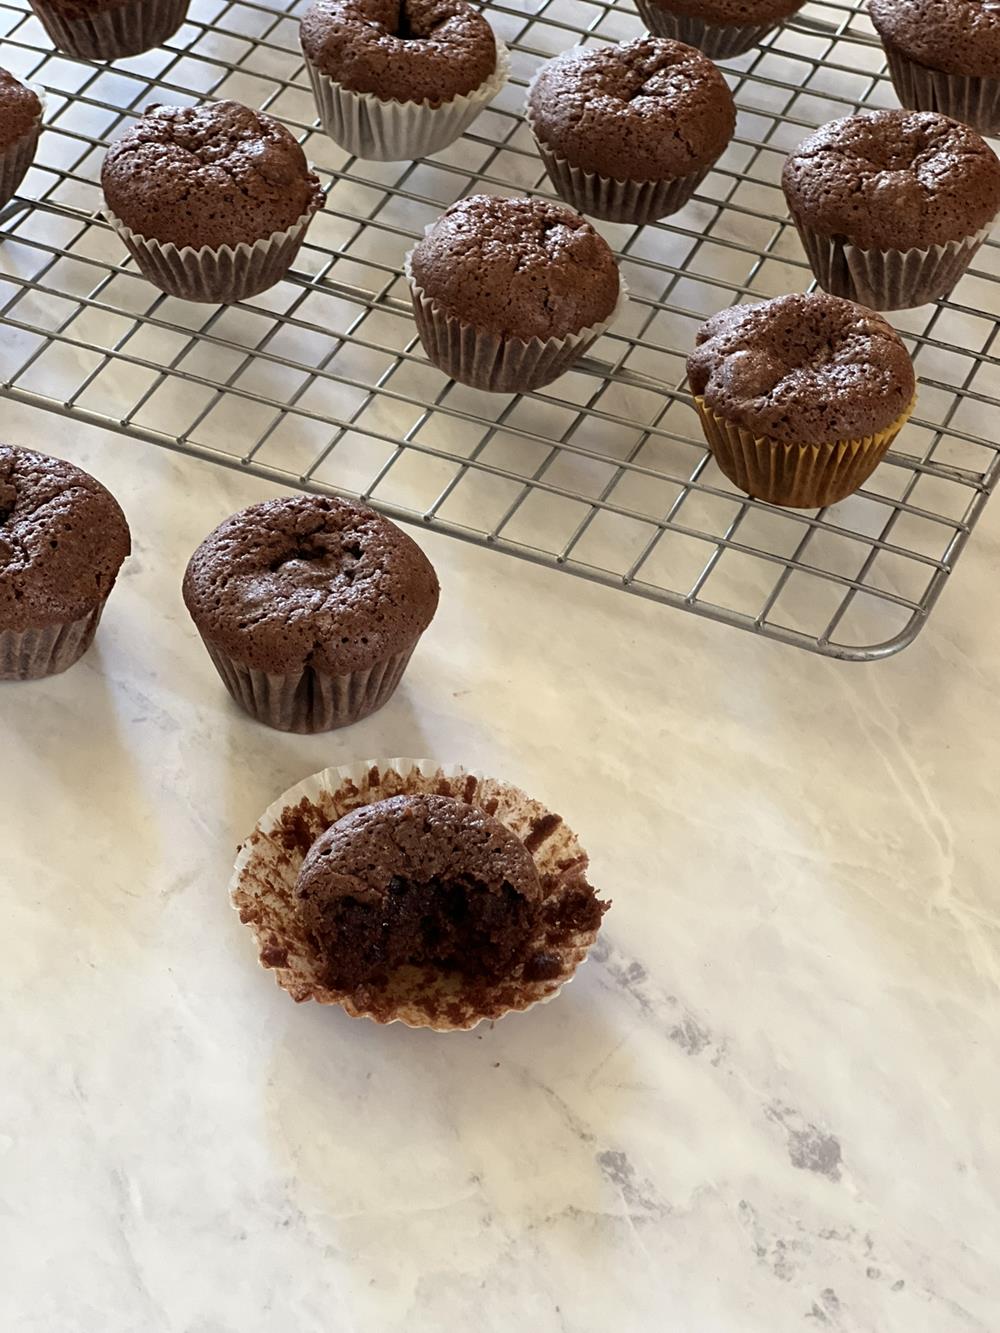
{"x":212,"y":201}
{"x":310,"y":608}
{"x":800,"y":396}
{"x":508,"y":293}
{"x":408,"y":892}
{"x":109,"y":29}
{"x":892,"y":206}
{"x":63,"y":538}
{"x":944,"y":55}
{"x":400,"y":79}
{"x":720,"y":28}
{"x":628,"y":132}
{"x":20,"y":126}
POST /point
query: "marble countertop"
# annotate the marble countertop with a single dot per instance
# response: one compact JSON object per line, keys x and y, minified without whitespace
{"x":767,"y":1104}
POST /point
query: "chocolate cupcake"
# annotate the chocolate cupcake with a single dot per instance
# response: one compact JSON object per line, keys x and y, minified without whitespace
{"x":20,"y":126}
{"x":891,"y":206}
{"x":801,"y":396}
{"x":720,"y":28}
{"x":310,"y":608}
{"x":508,"y":293}
{"x":109,"y":29}
{"x":944,"y":55}
{"x":629,"y":132}
{"x":400,"y":79}
{"x":212,"y":201}
{"x":406,"y":892}
{"x":63,"y":538}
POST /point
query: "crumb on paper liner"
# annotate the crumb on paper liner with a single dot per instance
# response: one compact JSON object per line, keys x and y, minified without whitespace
{"x":267,"y":866}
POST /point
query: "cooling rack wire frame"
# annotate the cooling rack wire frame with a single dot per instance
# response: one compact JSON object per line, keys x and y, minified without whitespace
{"x":320,"y":383}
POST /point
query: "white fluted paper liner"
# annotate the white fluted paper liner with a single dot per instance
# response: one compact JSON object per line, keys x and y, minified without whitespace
{"x":718,"y":41}
{"x":887,"y":279}
{"x":18,"y":156}
{"x":30,"y":654}
{"x":262,"y":889}
{"x":971,"y":99}
{"x":388,"y":131}
{"x":490,"y":361}
{"x":126,"y":29}
{"x":219,"y":275}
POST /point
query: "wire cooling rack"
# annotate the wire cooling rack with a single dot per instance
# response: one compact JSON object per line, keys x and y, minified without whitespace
{"x":321,"y":383}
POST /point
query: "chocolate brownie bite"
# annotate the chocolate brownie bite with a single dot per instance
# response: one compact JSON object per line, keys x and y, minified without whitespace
{"x":800,"y":396}
{"x":20,"y":126}
{"x":212,"y":201}
{"x":508,"y":293}
{"x":892,"y":206}
{"x":63,"y":538}
{"x":720,"y":28}
{"x":944,"y":55}
{"x":398,"y":79}
{"x":310,"y":608}
{"x":109,"y":29}
{"x":628,"y":132}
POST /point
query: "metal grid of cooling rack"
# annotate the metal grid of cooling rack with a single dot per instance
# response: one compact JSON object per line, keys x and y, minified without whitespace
{"x":320,"y":383}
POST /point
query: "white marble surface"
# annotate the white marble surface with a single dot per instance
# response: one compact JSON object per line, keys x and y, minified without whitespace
{"x":770,"y":1104}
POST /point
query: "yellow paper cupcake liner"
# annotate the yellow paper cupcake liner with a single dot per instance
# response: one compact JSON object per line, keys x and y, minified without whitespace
{"x":796,"y":476}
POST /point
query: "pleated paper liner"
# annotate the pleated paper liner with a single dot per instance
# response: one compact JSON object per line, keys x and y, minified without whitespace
{"x":887,"y":279}
{"x":31,"y":654}
{"x":491,"y":361}
{"x":974,"y":100}
{"x":268,"y":863}
{"x":309,"y":701}
{"x":123,"y":29}
{"x":388,"y":131}
{"x":216,"y":275}
{"x":796,"y":476}
{"x":718,"y":41}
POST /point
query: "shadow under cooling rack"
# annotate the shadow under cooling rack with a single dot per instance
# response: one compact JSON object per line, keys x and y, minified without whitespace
{"x":321,"y":383}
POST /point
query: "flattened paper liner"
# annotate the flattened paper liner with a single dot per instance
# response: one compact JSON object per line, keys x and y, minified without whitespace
{"x":797,"y":476}
{"x":718,"y":41}
{"x":127,"y":29}
{"x":974,"y":100}
{"x":267,"y":866}
{"x":388,"y":131}
{"x":489,"y":361}
{"x":219,"y":275}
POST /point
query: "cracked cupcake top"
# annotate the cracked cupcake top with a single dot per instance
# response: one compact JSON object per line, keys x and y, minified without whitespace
{"x":400,"y":50}
{"x":310,"y":581}
{"x":63,"y":538}
{"x":954,"y":36}
{"x":651,"y":109}
{"x":894,"y":180}
{"x":522,"y":268}
{"x":802,"y":369}
{"x":218,"y":174}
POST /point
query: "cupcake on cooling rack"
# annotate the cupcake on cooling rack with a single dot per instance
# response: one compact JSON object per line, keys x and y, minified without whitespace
{"x":720,"y":28}
{"x":63,"y":538}
{"x":400,"y":79}
{"x":109,"y":29}
{"x":508,"y":293}
{"x":892,"y":206}
{"x":410,"y":893}
{"x":801,"y":396}
{"x":944,"y":55}
{"x":213,"y":202}
{"x":310,"y":608}
{"x":20,"y":125}
{"x":629,"y":132}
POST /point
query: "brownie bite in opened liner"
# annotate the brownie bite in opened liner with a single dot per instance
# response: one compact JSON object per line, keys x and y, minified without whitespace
{"x":109,"y":29}
{"x":213,"y":201}
{"x":410,"y":892}
{"x":892,"y":206}
{"x":396,"y":80}
{"x":720,"y":28}
{"x":21,"y":112}
{"x":508,"y":293}
{"x":628,"y":132}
